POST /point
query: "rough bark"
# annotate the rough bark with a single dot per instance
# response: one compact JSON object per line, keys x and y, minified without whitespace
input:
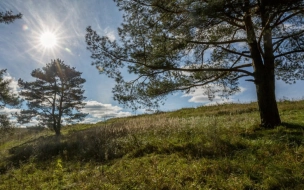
{"x":265,"y":88}
{"x":263,"y":63}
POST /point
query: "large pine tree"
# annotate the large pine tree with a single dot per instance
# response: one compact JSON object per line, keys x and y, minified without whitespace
{"x":180,"y":45}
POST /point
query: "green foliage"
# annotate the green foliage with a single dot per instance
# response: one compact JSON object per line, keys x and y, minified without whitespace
{"x":7,"y":97}
{"x":221,"y":148}
{"x":8,"y":17}
{"x":5,"y":125}
{"x":56,"y":95}
{"x":164,"y":42}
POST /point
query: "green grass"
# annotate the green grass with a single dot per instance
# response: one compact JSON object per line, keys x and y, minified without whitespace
{"x":214,"y":147}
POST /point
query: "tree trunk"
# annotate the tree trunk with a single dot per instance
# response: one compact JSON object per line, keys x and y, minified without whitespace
{"x":56,"y":129}
{"x":58,"y":133}
{"x":265,"y":87}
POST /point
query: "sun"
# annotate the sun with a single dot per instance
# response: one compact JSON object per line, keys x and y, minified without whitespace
{"x":48,"y":40}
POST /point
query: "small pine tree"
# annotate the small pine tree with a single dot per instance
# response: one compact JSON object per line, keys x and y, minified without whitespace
{"x":54,"y":96}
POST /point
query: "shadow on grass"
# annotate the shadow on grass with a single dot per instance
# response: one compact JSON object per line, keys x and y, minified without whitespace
{"x":97,"y":144}
{"x":290,"y":133}
{"x":292,"y":126}
{"x":217,"y":149}
{"x":294,"y":134}
{"x":103,"y":145}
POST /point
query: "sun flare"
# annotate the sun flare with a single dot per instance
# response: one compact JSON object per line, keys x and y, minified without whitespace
{"x":48,"y":40}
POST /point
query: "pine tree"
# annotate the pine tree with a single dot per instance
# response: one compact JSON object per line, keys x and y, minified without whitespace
{"x":54,"y":96}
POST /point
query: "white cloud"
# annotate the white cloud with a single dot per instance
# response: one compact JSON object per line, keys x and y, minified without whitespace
{"x":200,"y":96}
{"x":110,"y":33}
{"x":6,"y":110}
{"x":13,"y":84}
{"x":9,"y":112}
{"x":13,"y":120}
{"x":98,"y":111}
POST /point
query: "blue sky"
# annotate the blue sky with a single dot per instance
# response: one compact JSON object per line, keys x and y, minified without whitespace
{"x":21,"y":52}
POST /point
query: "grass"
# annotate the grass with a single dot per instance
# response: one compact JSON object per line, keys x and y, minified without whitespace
{"x":214,"y":147}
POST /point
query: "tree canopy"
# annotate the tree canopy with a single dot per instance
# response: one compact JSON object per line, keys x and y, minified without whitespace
{"x":54,"y":96}
{"x":182,"y":45}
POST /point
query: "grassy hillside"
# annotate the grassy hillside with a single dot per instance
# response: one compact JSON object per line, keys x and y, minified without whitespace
{"x":214,"y":147}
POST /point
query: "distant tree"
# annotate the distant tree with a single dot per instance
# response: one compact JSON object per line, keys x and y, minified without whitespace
{"x":7,"y":97}
{"x":54,"y":96}
{"x":8,"y":17}
{"x":5,"y":124}
{"x":180,"y":45}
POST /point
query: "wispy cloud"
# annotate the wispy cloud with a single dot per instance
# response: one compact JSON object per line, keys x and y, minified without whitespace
{"x":98,"y":111}
{"x":107,"y":31}
{"x":110,"y":33}
{"x":200,"y":96}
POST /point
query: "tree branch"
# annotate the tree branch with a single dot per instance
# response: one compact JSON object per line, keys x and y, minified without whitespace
{"x":285,"y":19}
{"x":218,"y":43}
{"x":282,"y":38}
{"x":230,"y":21}
{"x":199,"y":70}
{"x":287,"y":53}
{"x":235,"y":52}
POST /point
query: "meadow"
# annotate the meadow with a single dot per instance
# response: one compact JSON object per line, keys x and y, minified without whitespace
{"x":209,"y":147}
